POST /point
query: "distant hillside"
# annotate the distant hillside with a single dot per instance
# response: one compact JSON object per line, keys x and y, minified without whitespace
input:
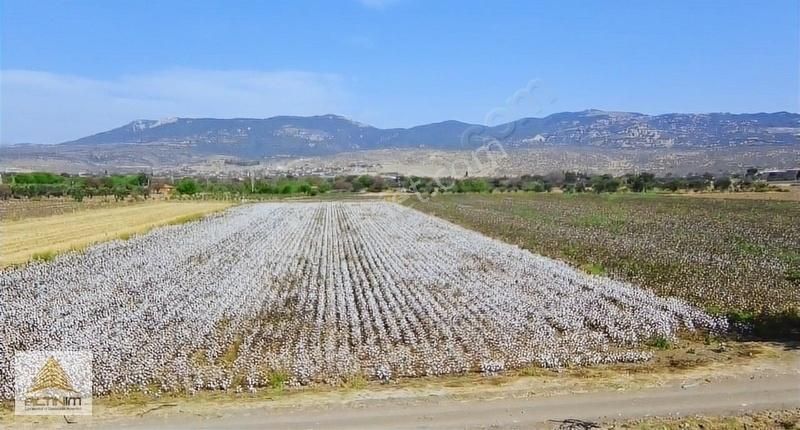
{"x":331,"y":134}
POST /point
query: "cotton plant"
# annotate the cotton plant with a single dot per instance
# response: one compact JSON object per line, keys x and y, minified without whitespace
{"x":319,"y":292}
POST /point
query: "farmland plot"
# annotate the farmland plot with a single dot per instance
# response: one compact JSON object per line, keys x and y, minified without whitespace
{"x":318,"y":293}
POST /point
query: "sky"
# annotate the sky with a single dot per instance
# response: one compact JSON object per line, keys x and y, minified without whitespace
{"x":73,"y":68}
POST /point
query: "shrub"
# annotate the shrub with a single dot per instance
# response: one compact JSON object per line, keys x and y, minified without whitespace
{"x":658,"y":342}
{"x":277,"y":379}
{"x":44,"y":256}
{"x":187,"y":186}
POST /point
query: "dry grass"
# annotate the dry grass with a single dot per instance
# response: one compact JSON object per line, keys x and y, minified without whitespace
{"x":44,"y":237}
{"x":13,"y":209}
{"x":787,"y":419}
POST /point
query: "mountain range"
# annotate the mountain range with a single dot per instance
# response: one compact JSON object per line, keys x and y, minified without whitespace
{"x":591,"y":141}
{"x":331,"y":134}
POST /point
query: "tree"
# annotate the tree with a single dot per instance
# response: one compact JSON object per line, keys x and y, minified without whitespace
{"x":187,"y":186}
{"x":642,"y":182}
{"x":612,"y":185}
{"x":120,"y":193}
{"x":364,"y":181}
{"x":304,"y":188}
{"x":557,"y":179}
{"x":722,"y":184}
{"x":535,"y":186}
{"x":472,"y":185}
{"x":77,"y":193}
{"x":378,"y":185}
{"x":605,"y":183}
{"x":696,"y":183}
{"x":264,"y":187}
{"x":341,"y":184}
{"x":286,"y":188}
{"x":142,"y":179}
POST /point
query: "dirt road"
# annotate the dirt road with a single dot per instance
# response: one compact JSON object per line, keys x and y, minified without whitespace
{"x":744,"y":378}
{"x":728,"y":396}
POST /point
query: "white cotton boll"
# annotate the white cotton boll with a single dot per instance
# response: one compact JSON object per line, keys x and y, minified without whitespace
{"x":492,"y":367}
{"x":383,"y":373}
{"x":321,"y":291}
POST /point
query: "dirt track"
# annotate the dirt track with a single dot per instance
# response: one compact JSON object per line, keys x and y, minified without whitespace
{"x":726,"y":397}
{"x":726,"y":389}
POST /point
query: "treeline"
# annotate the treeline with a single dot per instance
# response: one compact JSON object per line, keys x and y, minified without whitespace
{"x":141,"y":185}
{"x":308,"y":185}
{"x":576,"y":182}
{"x":44,"y":184}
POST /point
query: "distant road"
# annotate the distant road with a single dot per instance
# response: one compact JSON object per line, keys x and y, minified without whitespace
{"x":727,"y":396}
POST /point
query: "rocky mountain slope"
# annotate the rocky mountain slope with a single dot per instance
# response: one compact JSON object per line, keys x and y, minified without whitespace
{"x":331,"y":134}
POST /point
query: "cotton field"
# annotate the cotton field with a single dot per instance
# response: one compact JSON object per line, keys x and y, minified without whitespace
{"x":320,"y":292}
{"x":725,"y":254}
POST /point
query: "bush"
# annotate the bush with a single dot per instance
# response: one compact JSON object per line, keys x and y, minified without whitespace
{"x":659,"y":342}
{"x":187,"y":186}
{"x":722,"y":184}
{"x":594,"y":269}
{"x":44,"y":256}
{"x":277,"y":379}
{"x":605,"y":183}
{"x":37,"y":178}
{"x":535,"y":186}
{"x":768,"y":326}
{"x":77,"y":194}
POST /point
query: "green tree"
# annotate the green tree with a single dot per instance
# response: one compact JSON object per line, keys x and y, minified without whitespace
{"x":605,"y":183}
{"x":187,"y":186}
{"x":364,"y":181}
{"x":642,"y":182}
{"x":304,"y":188}
{"x":142,"y":179}
{"x":120,"y":193}
{"x":77,"y":193}
{"x":377,"y":185}
{"x":535,"y":186}
{"x":722,"y":184}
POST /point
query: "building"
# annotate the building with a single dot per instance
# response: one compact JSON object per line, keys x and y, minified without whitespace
{"x":166,"y":190}
{"x":780,"y":175}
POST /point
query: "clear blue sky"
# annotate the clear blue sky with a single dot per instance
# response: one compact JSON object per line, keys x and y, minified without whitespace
{"x":71,"y":68}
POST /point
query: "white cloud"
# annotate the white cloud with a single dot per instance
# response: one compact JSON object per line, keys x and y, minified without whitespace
{"x":44,"y":107}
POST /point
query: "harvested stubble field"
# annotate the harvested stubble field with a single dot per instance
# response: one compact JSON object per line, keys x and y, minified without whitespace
{"x":322,"y":292}
{"x":723,"y":255}
{"x":43,"y":237}
{"x":16,"y":209}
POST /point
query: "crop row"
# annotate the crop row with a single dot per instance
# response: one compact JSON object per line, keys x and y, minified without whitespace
{"x":726,"y":255}
{"x":320,"y":292}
